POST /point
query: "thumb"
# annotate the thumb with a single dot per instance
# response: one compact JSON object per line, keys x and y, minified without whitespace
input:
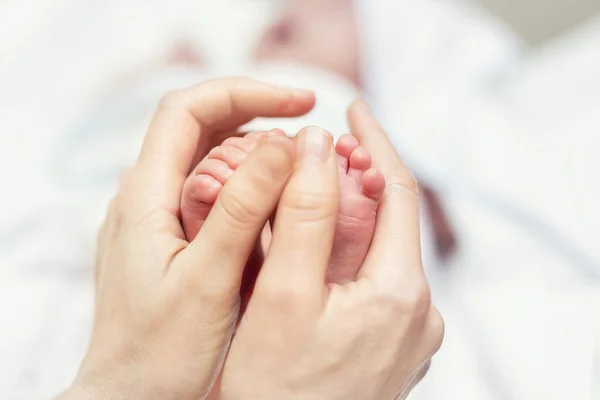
{"x":214,"y":262}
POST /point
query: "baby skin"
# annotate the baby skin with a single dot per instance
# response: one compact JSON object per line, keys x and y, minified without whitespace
{"x":361,"y":188}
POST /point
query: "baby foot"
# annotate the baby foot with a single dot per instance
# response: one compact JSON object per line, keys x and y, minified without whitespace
{"x":203,"y":186}
{"x":361,"y":188}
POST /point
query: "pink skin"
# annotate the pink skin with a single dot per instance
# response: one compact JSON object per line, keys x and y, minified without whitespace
{"x":204,"y":184}
{"x":361,"y":188}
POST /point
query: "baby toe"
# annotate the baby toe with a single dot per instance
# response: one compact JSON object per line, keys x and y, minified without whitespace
{"x":346,"y":145}
{"x":232,"y":156}
{"x":359,"y":162}
{"x":215,"y":168}
{"x":373,"y":184}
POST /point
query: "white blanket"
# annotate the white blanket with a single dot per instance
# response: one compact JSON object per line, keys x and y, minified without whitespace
{"x":516,"y":298}
{"x":446,"y":80}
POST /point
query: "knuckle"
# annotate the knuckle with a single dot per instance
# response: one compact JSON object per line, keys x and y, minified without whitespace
{"x":273,"y":168}
{"x":402,"y":180}
{"x":281,"y":157}
{"x":413,"y":301}
{"x":418,"y":301}
{"x":173,"y":99}
{"x":437,"y":327}
{"x":309,"y":206}
{"x":240,"y":207}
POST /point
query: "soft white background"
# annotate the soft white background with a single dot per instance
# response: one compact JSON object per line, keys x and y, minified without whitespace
{"x":520,"y":321}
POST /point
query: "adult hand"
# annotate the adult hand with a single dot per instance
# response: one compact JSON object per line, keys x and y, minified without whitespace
{"x":368,"y":339}
{"x":165,"y":308}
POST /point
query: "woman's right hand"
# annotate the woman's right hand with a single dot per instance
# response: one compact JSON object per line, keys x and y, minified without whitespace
{"x":369,"y":339}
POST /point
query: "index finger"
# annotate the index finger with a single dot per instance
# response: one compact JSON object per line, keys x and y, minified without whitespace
{"x":188,"y":119}
{"x":397,"y":236}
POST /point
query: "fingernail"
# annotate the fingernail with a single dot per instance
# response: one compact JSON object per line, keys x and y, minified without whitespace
{"x":314,"y":145}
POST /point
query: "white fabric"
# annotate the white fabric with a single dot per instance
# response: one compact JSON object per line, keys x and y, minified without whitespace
{"x":511,"y":298}
{"x":436,"y":71}
{"x":423,"y":60}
